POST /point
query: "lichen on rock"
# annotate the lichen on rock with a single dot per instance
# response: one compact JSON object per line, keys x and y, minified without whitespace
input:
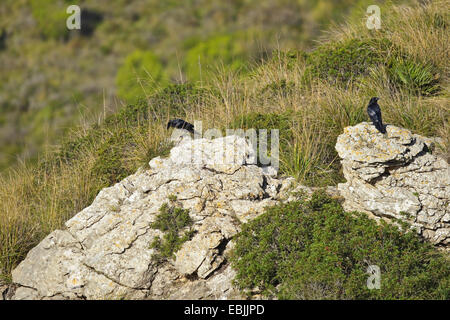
{"x":395,"y":176}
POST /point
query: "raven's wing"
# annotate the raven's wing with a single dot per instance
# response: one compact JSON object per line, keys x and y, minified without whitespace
{"x":373,"y":114}
{"x":381,"y":128}
{"x":378,"y":112}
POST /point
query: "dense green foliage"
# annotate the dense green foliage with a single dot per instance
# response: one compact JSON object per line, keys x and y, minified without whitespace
{"x":173,"y":221}
{"x":344,"y":61}
{"x":313,"y":249}
{"x":178,"y":99}
{"x":110,"y":156}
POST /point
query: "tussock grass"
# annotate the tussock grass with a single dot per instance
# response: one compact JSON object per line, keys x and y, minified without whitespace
{"x":34,"y":200}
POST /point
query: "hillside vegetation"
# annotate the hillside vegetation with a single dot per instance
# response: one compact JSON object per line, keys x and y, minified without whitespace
{"x":52,"y":78}
{"x":309,"y":95}
{"x":313,"y":249}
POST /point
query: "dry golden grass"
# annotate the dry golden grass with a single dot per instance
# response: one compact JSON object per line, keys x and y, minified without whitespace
{"x":33,"y":203}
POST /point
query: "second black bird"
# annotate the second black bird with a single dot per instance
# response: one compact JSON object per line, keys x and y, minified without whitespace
{"x":181,"y":124}
{"x":374,"y":111}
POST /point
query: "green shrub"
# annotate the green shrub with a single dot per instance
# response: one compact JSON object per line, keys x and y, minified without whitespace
{"x":140,"y":75}
{"x":112,"y":141}
{"x":131,"y":115}
{"x":173,"y":222}
{"x":342,"y":62}
{"x":313,"y":249}
{"x":70,"y":149}
{"x":116,"y":156}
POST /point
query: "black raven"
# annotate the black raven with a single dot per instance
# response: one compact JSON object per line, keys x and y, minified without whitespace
{"x":374,"y":111}
{"x":181,"y":124}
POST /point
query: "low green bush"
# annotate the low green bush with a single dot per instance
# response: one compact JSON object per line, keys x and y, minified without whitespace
{"x":313,"y":249}
{"x":131,"y":118}
{"x":342,"y":62}
{"x":109,"y":161}
{"x":173,"y":221}
{"x":131,"y":115}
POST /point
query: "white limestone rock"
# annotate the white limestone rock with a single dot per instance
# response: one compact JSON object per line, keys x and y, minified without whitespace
{"x":104,"y":251}
{"x":395,"y":176}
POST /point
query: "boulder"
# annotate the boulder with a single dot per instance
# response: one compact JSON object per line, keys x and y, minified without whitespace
{"x":396,"y":176}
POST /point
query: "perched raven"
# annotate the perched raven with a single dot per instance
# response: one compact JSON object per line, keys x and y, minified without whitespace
{"x":374,"y":111}
{"x":181,"y":124}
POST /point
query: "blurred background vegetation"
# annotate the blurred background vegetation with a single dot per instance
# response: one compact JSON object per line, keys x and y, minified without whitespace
{"x":52,"y":78}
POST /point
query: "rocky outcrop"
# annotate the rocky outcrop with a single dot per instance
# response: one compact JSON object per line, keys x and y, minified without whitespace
{"x":396,"y":176}
{"x":104,"y":252}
